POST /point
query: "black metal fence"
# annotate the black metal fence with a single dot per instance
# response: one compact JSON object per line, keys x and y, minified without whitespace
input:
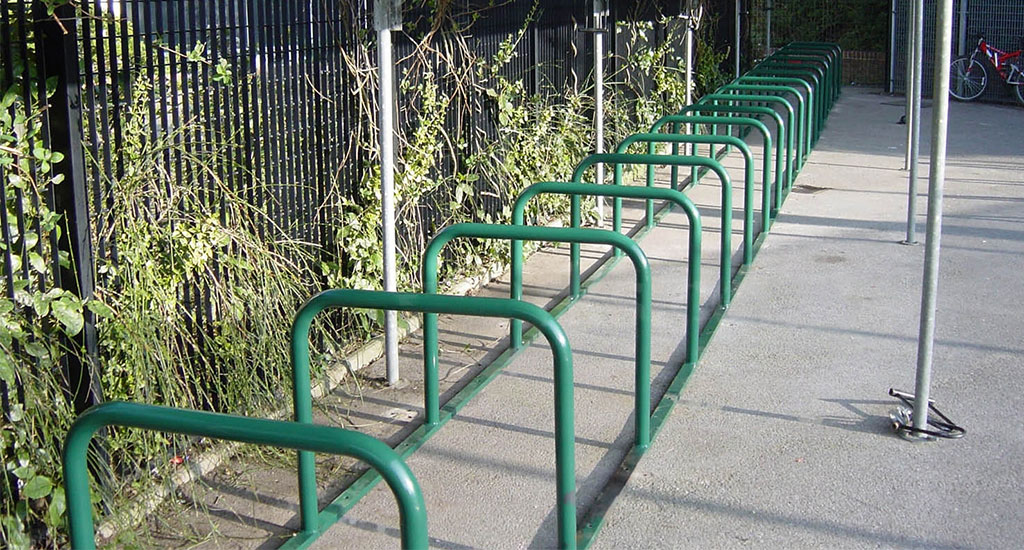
{"x":252,"y":98}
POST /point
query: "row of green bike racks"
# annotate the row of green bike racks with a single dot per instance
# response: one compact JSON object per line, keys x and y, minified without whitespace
{"x":812,"y":73}
{"x":830,"y":54}
{"x":675,"y":139}
{"x":565,"y":482}
{"x":766,"y":161}
{"x":662,"y":160}
{"x":813,"y":67}
{"x":773,"y":94}
{"x":289,"y":435}
{"x":783,"y":176}
{"x":786,"y":130}
{"x":814,"y":120}
{"x":824,"y":61}
{"x":808,"y":76}
{"x":817,"y":61}
{"x":618,"y":192}
{"x":519,"y":233}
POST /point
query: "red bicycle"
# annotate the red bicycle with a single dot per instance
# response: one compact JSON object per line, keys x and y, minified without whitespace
{"x":968,"y":75}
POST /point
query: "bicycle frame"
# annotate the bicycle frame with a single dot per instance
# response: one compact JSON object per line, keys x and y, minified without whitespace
{"x":1010,"y":72}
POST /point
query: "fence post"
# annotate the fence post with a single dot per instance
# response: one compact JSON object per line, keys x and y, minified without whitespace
{"x":57,"y":42}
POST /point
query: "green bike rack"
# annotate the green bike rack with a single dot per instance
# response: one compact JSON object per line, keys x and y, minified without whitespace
{"x":783,"y":176}
{"x":521,"y":233}
{"x":812,"y":107}
{"x":668,"y":160}
{"x":830,"y":47}
{"x":565,"y":480}
{"x":827,"y":57}
{"x":808,"y":76}
{"x":789,"y":128}
{"x":693,"y":262}
{"x":676,"y":139}
{"x":811,"y":62}
{"x":813,"y":56}
{"x":781,"y":67}
{"x":800,"y":128}
{"x":291,"y":435}
{"x":766,"y":161}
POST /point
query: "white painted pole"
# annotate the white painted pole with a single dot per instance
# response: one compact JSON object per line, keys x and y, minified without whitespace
{"x":940,"y":119}
{"x":387,"y":15}
{"x":737,"y":38}
{"x":599,"y":11}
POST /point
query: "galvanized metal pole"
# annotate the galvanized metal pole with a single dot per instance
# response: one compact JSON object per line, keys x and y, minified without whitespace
{"x":387,"y":16}
{"x":736,"y":40}
{"x":768,"y":28}
{"x":691,"y":148}
{"x":915,"y":122}
{"x":599,"y":12}
{"x":940,"y":119}
{"x":909,"y":82}
{"x":892,"y":46}
{"x":961,"y":46}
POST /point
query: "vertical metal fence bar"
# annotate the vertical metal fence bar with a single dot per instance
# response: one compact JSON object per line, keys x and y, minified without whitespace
{"x":6,"y":80}
{"x":59,"y":46}
{"x":26,"y":97}
{"x":266,"y":152}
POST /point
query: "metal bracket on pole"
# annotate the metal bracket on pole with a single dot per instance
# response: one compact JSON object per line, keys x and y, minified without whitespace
{"x":387,"y":15}
{"x":903,"y":421}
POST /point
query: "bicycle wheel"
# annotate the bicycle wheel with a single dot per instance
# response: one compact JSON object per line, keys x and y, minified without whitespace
{"x":967,"y":78}
{"x":1018,"y":90}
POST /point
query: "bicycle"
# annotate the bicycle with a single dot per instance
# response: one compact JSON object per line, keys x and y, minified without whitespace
{"x":968,"y":76}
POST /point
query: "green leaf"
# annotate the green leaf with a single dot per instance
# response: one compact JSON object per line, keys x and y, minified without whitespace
{"x":51,"y":84}
{"x":196,"y":55}
{"x":41,"y":304}
{"x":17,"y":412}
{"x":37,"y":350}
{"x":37,"y":262}
{"x":14,"y":532}
{"x":30,"y":239}
{"x":37,"y":487}
{"x":99,"y":308}
{"x":58,"y":505}
{"x":69,"y":314}
{"x":24,"y":472}
{"x":222,"y":72}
